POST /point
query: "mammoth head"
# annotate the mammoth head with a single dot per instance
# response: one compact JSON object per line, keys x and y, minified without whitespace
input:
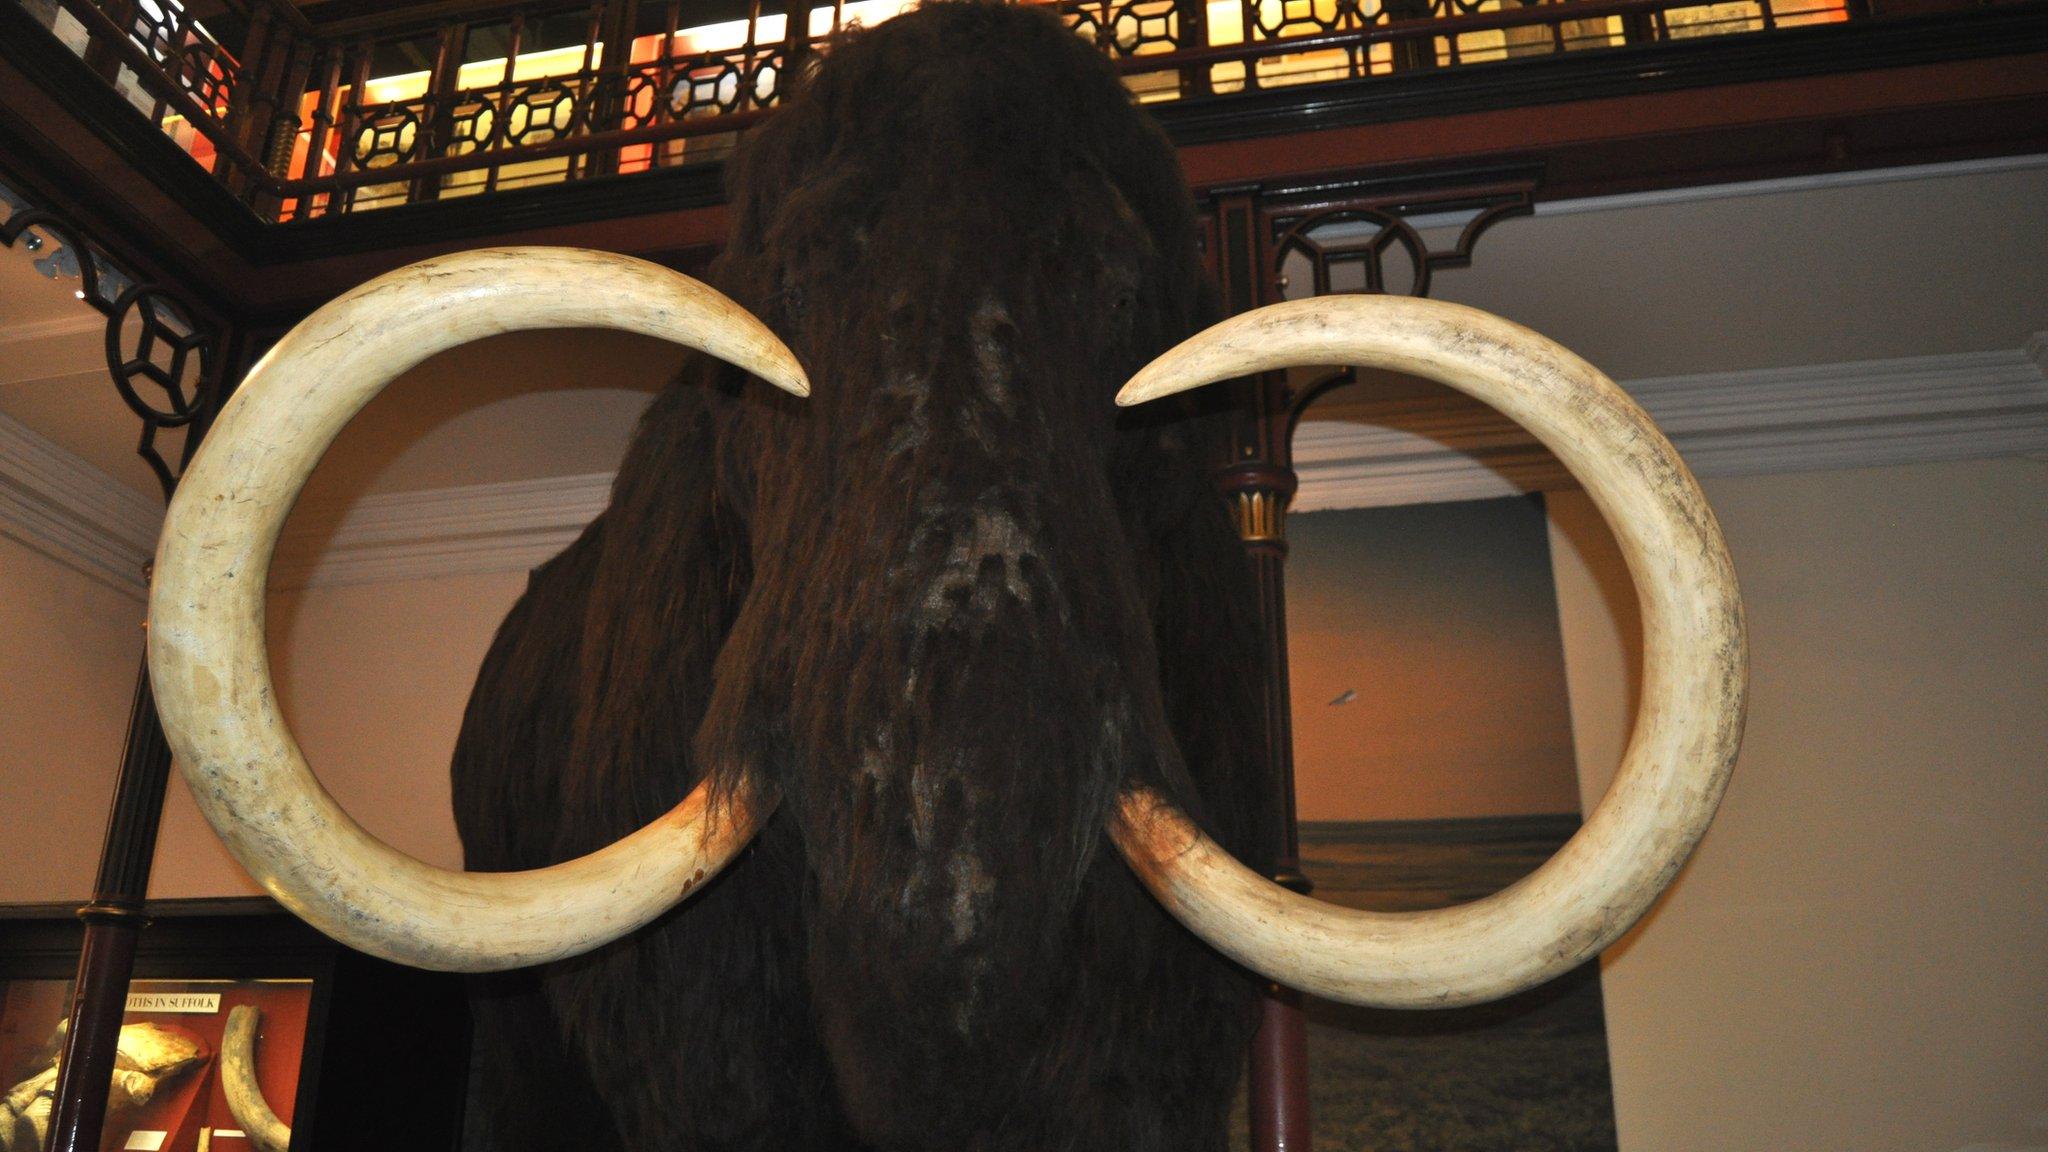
{"x":925,"y":601}
{"x":935,"y":557}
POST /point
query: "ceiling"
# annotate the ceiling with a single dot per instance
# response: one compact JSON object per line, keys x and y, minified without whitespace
{"x":53,"y":374}
{"x":1869,"y":266}
{"x":36,"y":287}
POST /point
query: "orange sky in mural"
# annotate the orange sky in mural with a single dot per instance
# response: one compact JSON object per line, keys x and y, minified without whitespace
{"x":1441,"y":621}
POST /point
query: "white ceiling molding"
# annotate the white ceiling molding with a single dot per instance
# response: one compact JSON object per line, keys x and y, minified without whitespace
{"x":1429,"y":450}
{"x":63,"y":507}
{"x":1853,"y":415}
{"x":1701,"y":193}
{"x":1817,"y":181}
{"x":466,"y":530}
{"x":1862,"y":414}
{"x":49,"y":349}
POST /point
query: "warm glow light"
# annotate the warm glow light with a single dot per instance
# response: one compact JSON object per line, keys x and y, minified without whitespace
{"x":770,"y":27}
{"x":724,"y":36}
{"x":484,"y":73}
{"x":730,"y":34}
{"x":867,"y":12}
{"x":1226,"y":24}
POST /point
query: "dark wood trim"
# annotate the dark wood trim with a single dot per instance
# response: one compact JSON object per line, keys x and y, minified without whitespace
{"x":1993,"y":106}
{"x":113,"y":926}
{"x":1276,"y":1091}
{"x":1665,"y":66}
{"x":1258,"y":482}
{"x":44,"y":62}
{"x":180,"y":908}
{"x":1807,"y":99}
{"x":1548,"y":826}
{"x":548,"y":206}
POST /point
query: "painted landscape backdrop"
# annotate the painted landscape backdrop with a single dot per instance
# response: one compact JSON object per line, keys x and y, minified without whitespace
{"x":1434,"y":765}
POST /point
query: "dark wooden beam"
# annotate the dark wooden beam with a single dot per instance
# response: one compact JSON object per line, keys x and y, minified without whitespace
{"x":1911,"y":114}
{"x":1963,"y":86}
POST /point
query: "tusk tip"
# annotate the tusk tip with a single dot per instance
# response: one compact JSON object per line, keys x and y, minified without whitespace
{"x":786,"y":376}
{"x":1169,"y":375}
{"x":1145,"y":387}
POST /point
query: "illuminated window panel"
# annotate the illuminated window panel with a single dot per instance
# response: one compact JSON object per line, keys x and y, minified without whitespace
{"x":509,"y":99}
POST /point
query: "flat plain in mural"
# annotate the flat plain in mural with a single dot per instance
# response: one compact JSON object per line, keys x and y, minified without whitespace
{"x":1435,"y":766}
{"x":1526,"y":1074}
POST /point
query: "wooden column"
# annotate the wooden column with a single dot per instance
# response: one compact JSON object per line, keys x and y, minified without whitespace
{"x":113,"y":922}
{"x":437,"y":125}
{"x":114,"y":919}
{"x":1260,"y":481}
{"x":607,"y":107}
{"x":1279,"y":1059}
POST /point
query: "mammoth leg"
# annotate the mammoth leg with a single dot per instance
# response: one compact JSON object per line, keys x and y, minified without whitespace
{"x":1178,"y":1033}
{"x":527,"y":1093}
{"x":1216,"y":709}
{"x":701,"y":1030}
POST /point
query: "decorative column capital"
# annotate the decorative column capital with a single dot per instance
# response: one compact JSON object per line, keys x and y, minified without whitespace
{"x":1259,"y":494}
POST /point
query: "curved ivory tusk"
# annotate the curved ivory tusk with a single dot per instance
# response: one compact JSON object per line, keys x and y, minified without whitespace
{"x":1687,"y":727}
{"x":238,"y":1083}
{"x":211,"y":671}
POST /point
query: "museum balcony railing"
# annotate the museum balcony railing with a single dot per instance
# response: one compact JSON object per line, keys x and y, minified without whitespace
{"x":301,"y":116}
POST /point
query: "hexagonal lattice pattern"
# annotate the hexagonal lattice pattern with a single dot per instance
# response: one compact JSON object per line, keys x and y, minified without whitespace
{"x":1373,"y":236}
{"x":643,"y":97}
{"x":1275,"y":20}
{"x":389,"y":134}
{"x":157,"y":356}
{"x":539,"y":113}
{"x":189,"y":57}
{"x":472,"y":126}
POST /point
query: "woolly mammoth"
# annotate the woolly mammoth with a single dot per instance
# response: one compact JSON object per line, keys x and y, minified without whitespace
{"x":789,"y":789}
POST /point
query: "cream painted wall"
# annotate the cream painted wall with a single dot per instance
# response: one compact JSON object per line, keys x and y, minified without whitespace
{"x":1857,"y":957}
{"x":373,"y":678}
{"x":69,"y":650}
{"x":1853,"y":960}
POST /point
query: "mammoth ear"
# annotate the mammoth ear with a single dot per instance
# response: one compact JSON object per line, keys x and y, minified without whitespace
{"x":670,"y":575}
{"x":517,"y":728}
{"x":579,"y":725}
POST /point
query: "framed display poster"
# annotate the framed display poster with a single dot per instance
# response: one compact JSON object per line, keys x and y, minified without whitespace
{"x":203,"y":1065}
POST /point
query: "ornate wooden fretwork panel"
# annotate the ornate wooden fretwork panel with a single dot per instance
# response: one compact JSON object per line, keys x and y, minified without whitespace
{"x":434,"y":101}
{"x":163,"y":360}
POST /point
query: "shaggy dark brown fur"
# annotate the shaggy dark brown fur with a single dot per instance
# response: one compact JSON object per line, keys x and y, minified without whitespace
{"x":950,"y":605}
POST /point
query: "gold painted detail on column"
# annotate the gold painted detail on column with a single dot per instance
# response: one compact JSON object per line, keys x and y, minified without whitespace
{"x":1261,"y":514}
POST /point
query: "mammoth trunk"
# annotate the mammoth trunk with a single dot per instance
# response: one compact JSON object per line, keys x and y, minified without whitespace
{"x":949,"y":671}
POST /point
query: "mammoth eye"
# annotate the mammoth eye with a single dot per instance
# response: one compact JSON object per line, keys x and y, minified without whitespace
{"x":1118,"y":285}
